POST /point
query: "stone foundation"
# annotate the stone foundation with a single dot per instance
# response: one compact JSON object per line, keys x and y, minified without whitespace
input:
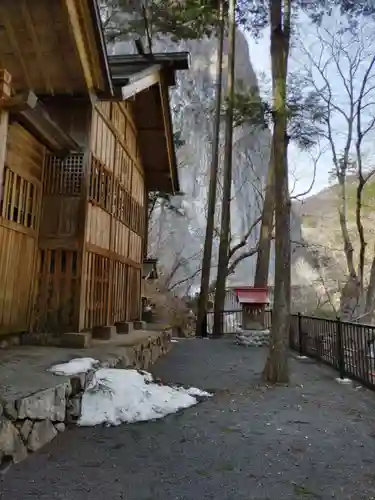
{"x":253,"y":338}
{"x":29,"y":423}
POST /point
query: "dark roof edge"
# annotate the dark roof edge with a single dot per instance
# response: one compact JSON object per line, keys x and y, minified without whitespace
{"x":99,"y":35}
{"x":174,"y":60}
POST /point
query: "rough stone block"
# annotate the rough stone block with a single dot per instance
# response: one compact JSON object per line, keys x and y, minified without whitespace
{"x":78,"y":383}
{"x":124,"y":361}
{"x":74,"y":409}
{"x":10,"y":441}
{"x":60,"y":427}
{"x":10,"y":410}
{"x":80,"y":340}
{"x":42,"y":433}
{"x":104,"y":332}
{"x":146,"y":359}
{"x":124,"y":327}
{"x":110,"y":362}
{"x":26,"y":429}
{"x":140,"y":325}
{"x":48,"y":404}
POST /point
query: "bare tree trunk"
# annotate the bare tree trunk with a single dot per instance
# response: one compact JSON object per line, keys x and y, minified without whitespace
{"x":360,"y":229}
{"x":276,"y":369}
{"x":266,"y":229}
{"x":227,"y":183}
{"x":370,"y":295}
{"x":208,"y":242}
{"x":348,"y":247}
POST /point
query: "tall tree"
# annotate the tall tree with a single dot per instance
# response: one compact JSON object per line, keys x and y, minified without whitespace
{"x":276,"y":368}
{"x":212,"y":189}
{"x":227,"y":181}
{"x":345,"y":81}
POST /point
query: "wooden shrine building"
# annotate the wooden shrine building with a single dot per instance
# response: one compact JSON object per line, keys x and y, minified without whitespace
{"x":83,"y":137}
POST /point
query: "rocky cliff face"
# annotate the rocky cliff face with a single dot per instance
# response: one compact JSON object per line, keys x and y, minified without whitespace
{"x":177,"y":236}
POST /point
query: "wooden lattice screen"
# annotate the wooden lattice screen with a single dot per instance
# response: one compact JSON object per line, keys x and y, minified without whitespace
{"x":20,"y":200}
{"x":57,"y":303}
{"x":115,"y":220}
{"x":63,"y":176}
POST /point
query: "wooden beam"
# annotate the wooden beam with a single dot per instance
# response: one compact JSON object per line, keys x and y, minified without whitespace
{"x":20,"y":102}
{"x":5,"y":90}
{"x":140,"y":75}
{"x":134,"y":88}
{"x":71,"y":6}
{"x":28,"y":111}
{"x":169,"y":135}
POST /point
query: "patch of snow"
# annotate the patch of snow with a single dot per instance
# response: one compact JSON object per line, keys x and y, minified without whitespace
{"x":302,"y":357}
{"x":115,"y":396}
{"x":194,"y":391}
{"x":343,"y":380}
{"x":74,"y":366}
{"x":118,"y":396}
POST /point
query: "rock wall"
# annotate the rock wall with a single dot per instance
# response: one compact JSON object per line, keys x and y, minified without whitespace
{"x":176,"y":236}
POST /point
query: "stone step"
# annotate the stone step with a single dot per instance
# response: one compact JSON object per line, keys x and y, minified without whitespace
{"x":80,"y":340}
{"x":124,"y":327}
{"x":104,"y":332}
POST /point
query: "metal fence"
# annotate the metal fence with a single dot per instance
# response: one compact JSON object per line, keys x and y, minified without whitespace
{"x":347,"y":347}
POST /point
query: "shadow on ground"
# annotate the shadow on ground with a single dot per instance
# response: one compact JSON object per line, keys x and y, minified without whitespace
{"x":311,"y":440}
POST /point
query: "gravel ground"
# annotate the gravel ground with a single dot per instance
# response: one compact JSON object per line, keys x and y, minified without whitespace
{"x":311,"y":440}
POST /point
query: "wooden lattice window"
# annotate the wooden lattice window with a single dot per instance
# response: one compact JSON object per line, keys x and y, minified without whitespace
{"x":63,"y":176}
{"x":100,"y":191}
{"x":19,"y":203}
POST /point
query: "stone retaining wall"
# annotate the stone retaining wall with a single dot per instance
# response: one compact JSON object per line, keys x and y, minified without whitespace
{"x":253,"y":338}
{"x":29,"y":423}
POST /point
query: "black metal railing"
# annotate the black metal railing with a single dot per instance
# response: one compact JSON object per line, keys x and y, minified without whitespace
{"x":347,"y":347}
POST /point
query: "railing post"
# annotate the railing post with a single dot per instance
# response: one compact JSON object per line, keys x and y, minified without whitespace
{"x":300,"y":334}
{"x":204,"y":326}
{"x":340,"y":348}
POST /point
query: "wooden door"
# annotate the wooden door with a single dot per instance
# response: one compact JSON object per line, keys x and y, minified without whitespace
{"x":19,"y":225}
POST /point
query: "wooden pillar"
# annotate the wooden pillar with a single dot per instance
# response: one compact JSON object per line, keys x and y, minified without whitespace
{"x":146,"y":222}
{"x":5,"y":91}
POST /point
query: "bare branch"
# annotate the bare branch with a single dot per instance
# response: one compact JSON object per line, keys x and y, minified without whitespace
{"x":240,"y":258}
{"x":245,"y":237}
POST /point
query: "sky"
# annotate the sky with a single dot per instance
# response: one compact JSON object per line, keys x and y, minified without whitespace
{"x":301,"y":163}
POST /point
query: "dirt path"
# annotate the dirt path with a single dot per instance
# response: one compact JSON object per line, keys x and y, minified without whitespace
{"x":311,"y":440}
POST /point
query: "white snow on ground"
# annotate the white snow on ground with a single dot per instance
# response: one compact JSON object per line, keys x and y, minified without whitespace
{"x":77,"y":365}
{"x":343,"y":380}
{"x":194,"y":391}
{"x":116,"y":396}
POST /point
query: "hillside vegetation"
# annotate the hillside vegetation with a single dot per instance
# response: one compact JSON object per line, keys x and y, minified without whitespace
{"x":321,"y":230}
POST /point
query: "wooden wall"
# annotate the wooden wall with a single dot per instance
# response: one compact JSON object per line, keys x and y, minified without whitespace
{"x":81,"y":220}
{"x":62,"y":224}
{"x":19,"y":225}
{"x":60,"y":244}
{"x":115,"y":219}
